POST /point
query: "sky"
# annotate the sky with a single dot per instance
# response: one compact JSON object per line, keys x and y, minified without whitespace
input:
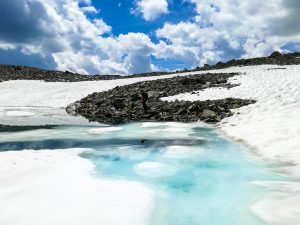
{"x":125,"y":37}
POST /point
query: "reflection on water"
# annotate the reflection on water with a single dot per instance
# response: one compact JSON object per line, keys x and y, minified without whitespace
{"x":200,"y":177}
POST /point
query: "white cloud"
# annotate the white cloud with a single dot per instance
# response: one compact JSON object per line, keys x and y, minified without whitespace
{"x":151,"y":9}
{"x":188,"y":43}
{"x":89,"y":9}
{"x":225,"y":29}
{"x":268,"y":25}
{"x":61,"y":31}
{"x":86,"y":2}
{"x":57,"y":33}
{"x":102,"y":26}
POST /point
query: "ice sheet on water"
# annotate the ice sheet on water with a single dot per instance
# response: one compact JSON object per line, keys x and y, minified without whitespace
{"x":31,"y":116}
{"x":152,"y":124}
{"x":103,"y":130}
{"x":155,"y":169}
{"x":182,"y":152}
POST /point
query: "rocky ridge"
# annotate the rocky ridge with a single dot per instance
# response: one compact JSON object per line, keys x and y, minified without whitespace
{"x":122,"y":104}
{"x":9,"y":72}
{"x":276,"y":58}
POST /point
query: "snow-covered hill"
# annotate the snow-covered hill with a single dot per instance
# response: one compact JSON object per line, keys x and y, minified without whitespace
{"x":271,"y":126}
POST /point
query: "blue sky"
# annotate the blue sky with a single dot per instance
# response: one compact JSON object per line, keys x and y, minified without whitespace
{"x":125,"y":37}
{"x":117,"y":14}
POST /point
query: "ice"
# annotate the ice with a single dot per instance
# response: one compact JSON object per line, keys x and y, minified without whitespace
{"x":152,"y":124}
{"x":181,"y":152}
{"x":271,"y":125}
{"x":140,"y":183}
{"x":56,"y":187}
{"x":282,"y":200}
{"x":103,"y":130}
{"x":155,"y":169}
{"x":19,"y":113}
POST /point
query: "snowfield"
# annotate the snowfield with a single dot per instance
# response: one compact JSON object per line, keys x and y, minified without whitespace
{"x":25,"y":93}
{"x":57,"y":188}
{"x":271,"y":127}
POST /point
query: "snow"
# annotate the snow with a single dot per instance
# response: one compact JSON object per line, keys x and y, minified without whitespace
{"x":56,"y":187}
{"x":282,"y":200}
{"x":271,"y":127}
{"x":54,"y":94}
{"x":19,"y":113}
{"x":103,"y":130}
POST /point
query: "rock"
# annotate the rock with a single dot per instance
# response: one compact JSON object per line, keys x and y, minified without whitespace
{"x":119,"y":103}
{"x":182,"y":112}
{"x":193,"y":108}
{"x":122,"y":104}
{"x":206,"y":66}
{"x":275,"y":54}
{"x":71,"y":109}
{"x":135,"y":97}
{"x":208,"y":113}
{"x":153,"y":95}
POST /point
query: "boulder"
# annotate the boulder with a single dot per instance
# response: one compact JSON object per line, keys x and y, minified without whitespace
{"x":208,"y":113}
{"x":119,"y":103}
{"x":71,"y":109}
{"x":153,"y":95}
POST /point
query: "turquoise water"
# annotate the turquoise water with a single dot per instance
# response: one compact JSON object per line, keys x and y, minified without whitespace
{"x":199,"y":176}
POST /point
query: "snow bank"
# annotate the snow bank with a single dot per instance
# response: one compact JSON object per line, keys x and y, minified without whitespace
{"x":19,"y":113}
{"x":51,"y":94}
{"x":56,"y":187}
{"x":281,"y":205}
{"x":272,"y":124}
{"x":271,"y":127}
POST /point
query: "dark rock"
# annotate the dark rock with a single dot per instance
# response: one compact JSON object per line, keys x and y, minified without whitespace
{"x":276,"y":58}
{"x":275,"y":54}
{"x":208,"y":113}
{"x":122,"y":104}
{"x":153,"y":95}
{"x":119,"y":103}
{"x":7,"y":128}
{"x":71,"y":109}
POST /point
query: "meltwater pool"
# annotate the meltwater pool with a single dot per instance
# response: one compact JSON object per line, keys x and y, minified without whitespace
{"x":200,"y":177}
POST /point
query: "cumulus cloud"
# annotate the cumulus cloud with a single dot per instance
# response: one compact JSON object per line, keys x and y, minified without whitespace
{"x":89,"y":9}
{"x":59,"y":31}
{"x":188,"y":43}
{"x":151,"y":9}
{"x":59,"y":34}
{"x":225,"y":29}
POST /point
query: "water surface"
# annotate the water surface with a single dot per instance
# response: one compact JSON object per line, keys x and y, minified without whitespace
{"x":199,"y":176}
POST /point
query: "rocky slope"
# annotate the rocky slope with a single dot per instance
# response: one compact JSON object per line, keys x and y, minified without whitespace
{"x":276,"y":58}
{"x":9,"y":72}
{"x":122,"y":104}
